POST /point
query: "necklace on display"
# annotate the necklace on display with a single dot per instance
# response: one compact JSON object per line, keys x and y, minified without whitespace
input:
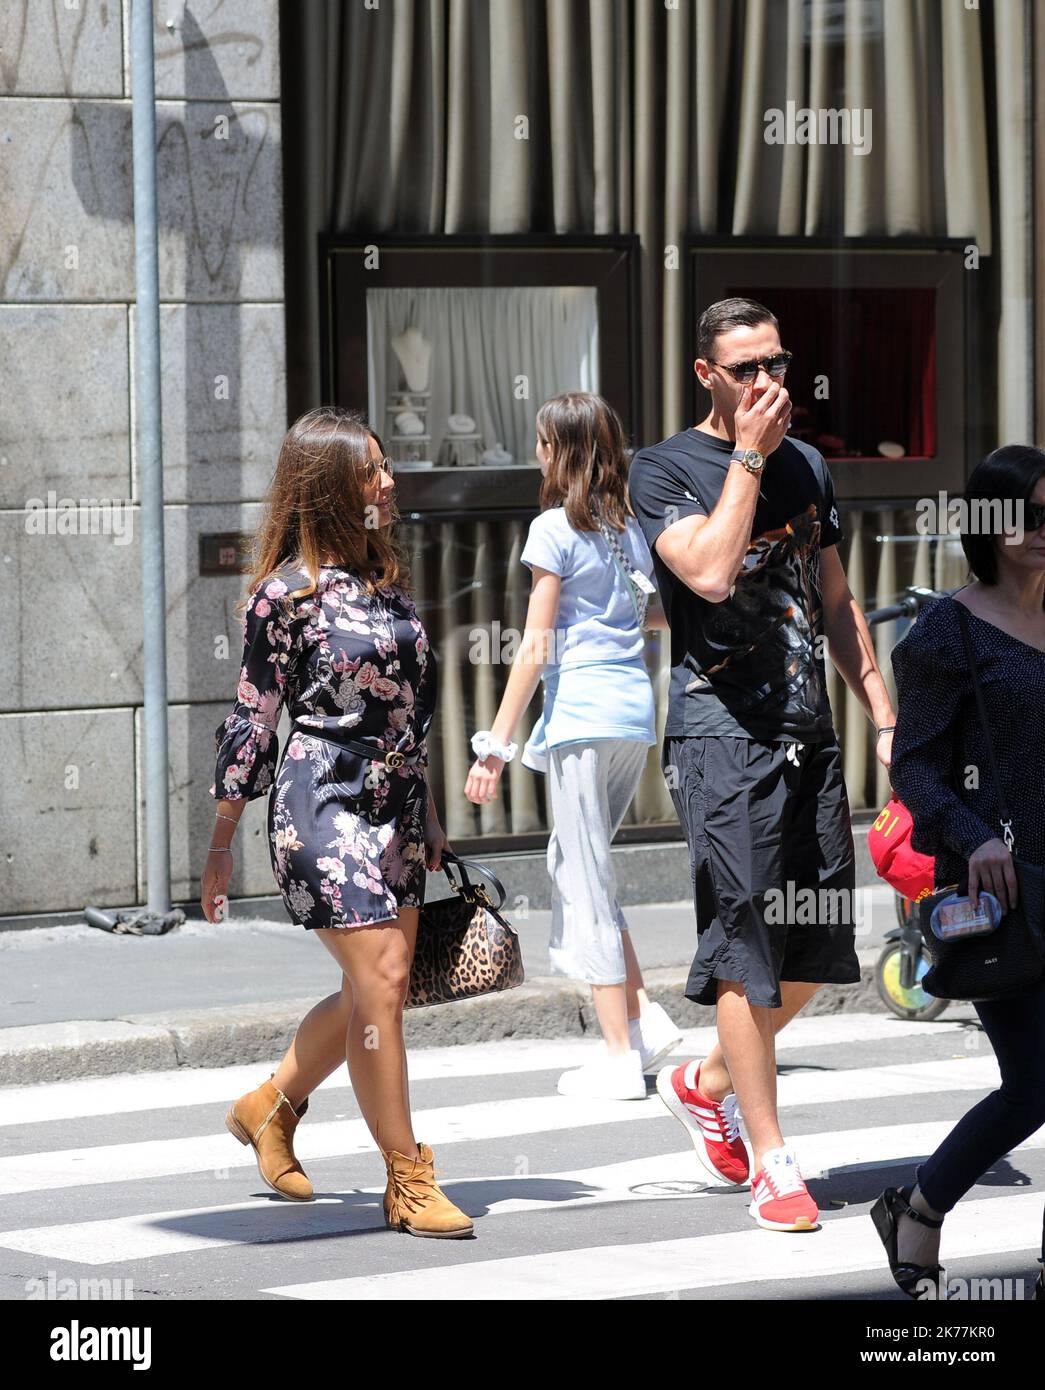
{"x":414,"y":353}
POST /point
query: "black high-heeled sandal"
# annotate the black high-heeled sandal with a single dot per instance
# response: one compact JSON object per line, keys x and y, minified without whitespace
{"x":893,"y":1203}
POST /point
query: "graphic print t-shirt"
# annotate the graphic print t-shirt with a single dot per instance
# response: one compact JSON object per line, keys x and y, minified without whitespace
{"x":751,"y":666}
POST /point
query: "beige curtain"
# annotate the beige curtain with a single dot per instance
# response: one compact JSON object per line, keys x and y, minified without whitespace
{"x":512,"y":116}
{"x":461,"y":116}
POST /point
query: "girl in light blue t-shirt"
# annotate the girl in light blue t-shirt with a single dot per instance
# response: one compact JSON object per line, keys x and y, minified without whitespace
{"x":590,"y":589}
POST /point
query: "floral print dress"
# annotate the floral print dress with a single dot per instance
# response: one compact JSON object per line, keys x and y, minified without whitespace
{"x":346,"y":835}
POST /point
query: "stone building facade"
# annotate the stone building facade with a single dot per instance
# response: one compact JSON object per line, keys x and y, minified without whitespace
{"x":71,"y":623}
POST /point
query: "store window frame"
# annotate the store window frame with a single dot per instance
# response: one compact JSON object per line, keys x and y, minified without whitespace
{"x":609,"y":264}
{"x":717,"y":266}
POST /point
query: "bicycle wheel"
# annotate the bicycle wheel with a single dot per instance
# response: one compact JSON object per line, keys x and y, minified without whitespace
{"x":905,"y":1003}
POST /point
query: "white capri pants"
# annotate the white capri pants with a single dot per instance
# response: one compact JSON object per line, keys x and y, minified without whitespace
{"x":591,"y":786}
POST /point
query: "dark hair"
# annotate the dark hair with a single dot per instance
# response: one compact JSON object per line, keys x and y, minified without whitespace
{"x":315,"y":507}
{"x":726,"y":314}
{"x":589,"y":463}
{"x":1010,"y":474}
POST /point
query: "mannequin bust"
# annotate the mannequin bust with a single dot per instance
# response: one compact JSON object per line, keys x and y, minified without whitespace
{"x":414,"y":353}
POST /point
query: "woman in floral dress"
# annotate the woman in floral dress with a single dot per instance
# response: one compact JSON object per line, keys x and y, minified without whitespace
{"x":332,"y":636}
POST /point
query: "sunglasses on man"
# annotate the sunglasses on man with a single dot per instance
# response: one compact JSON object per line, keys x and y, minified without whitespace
{"x":746,"y":372}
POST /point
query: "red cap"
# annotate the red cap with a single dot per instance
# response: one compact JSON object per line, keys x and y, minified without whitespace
{"x":894,"y":858}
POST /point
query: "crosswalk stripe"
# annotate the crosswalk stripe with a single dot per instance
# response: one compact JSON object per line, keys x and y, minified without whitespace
{"x":333,"y":1139}
{"x":482,"y":1120}
{"x":843,"y":1245}
{"x":878,"y":1083}
{"x":151,"y":1235}
{"x":165,"y":1090}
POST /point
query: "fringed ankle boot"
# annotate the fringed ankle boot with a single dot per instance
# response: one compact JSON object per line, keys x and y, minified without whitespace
{"x":414,"y":1201}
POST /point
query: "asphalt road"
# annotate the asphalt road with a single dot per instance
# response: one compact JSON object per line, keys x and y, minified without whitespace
{"x":134,"y":1179}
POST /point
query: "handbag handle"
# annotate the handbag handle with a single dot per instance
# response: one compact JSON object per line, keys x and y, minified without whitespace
{"x":472,"y":892}
{"x":1003,"y":805}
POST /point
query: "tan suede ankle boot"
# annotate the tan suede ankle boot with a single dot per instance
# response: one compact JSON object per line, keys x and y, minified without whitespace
{"x":266,"y":1120}
{"x":414,"y":1201}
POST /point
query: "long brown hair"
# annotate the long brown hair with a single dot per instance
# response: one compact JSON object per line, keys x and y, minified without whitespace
{"x":589,"y":464}
{"x":315,"y":510}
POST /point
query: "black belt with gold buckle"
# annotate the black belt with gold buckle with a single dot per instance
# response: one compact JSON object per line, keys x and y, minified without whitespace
{"x":370,"y":751}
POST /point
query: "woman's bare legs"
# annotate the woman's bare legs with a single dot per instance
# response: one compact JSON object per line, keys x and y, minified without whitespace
{"x":611,"y":1009}
{"x":376,"y":961}
{"x":616,"y":1005}
{"x":318,"y":1048}
{"x":637,"y":999}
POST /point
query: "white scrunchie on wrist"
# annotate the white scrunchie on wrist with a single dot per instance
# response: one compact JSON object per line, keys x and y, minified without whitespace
{"x":484,"y":744}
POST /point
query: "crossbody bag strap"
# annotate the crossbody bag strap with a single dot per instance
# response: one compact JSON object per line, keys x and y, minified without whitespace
{"x":640,"y":601}
{"x":1003,"y":805}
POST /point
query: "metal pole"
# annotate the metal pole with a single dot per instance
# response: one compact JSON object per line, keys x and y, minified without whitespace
{"x":150,"y":458}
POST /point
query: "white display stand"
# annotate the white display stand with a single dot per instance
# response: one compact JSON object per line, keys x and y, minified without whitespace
{"x":410,"y":450}
{"x":461,"y":451}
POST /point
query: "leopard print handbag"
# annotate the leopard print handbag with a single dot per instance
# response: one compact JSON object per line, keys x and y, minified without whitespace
{"x":465,"y":948}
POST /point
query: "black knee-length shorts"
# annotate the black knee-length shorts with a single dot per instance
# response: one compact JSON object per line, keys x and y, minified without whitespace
{"x":772,"y":860}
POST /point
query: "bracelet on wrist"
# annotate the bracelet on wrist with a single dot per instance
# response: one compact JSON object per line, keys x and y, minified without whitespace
{"x":885,"y":729}
{"x":221,"y":816}
{"x":220,"y":849}
{"x":484,"y":745}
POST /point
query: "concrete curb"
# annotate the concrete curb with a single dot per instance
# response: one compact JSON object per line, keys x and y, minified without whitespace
{"x":243,"y":1033}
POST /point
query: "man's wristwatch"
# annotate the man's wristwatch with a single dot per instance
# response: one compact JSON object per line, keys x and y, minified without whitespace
{"x":752,"y":460}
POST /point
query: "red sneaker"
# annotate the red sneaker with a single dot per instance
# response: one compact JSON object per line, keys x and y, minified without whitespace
{"x":713,"y":1126}
{"x":780,"y":1200}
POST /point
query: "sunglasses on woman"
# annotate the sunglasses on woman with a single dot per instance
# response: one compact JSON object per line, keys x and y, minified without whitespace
{"x":746,"y":372}
{"x":373,"y":467}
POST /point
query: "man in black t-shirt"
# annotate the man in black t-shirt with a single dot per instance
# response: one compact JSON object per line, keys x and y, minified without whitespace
{"x":742,"y":525}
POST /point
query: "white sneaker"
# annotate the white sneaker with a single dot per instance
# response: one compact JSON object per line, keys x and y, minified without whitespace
{"x":653,"y":1036}
{"x":607,"y":1077}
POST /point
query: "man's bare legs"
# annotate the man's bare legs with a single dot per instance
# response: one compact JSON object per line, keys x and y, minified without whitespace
{"x":745,"y":1059}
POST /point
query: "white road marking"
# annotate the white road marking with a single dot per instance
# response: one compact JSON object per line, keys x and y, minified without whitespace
{"x":167,"y":1090}
{"x":674,"y":1176}
{"x":129,"y":1162}
{"x":843,"y":1245}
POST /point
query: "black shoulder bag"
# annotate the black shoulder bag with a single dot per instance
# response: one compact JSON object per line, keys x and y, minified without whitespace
{"x":996,"y":961}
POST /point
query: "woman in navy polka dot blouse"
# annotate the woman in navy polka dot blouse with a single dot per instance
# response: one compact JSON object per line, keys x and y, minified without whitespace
{"x":941,"y":771}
